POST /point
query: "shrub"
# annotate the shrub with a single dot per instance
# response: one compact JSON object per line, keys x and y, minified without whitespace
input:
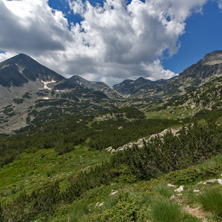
{"x":126,"y":209}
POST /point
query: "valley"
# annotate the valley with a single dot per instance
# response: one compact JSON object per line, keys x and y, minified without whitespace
{"x":75,"y":150}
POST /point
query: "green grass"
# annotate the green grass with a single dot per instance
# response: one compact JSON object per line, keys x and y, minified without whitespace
{"x":163,"y":190}
{"x":211,"y":200}
{"x":164,"y":210}
{"x":172,"y":114}
{"x":36,"y":170}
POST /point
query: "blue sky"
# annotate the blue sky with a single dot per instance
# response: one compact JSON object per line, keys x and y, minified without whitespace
{"x":203,"y":35}
{"x":111,"y":40}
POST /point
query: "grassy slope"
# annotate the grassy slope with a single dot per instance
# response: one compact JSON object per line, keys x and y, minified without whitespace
{"x":35,"y":170}
{"x":146,"y":194}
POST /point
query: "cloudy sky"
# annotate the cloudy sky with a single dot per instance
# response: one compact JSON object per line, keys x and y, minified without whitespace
{"x":111,"y":40}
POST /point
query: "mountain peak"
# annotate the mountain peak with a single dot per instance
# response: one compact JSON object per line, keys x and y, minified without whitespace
{"x":213,"y":58}
{"x":21,"y":69}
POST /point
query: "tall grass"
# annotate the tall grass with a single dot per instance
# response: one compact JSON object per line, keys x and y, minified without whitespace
{"x":163,"y":190}
{"x":164,"y":210}
{"x":211,"y":200}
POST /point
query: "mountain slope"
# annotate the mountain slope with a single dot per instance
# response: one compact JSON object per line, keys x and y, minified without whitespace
{"x":192,"y":77}
{"x":21,"y":69}
{"x":95,"y":86}
{"x":31,"y":94}
{"x":196,"y":75}
{"x":130,"y":87}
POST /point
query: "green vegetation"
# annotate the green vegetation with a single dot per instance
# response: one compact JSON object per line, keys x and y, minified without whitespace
{"x":211,"y":199}
{"x":166,"y":211}
{"x":193,"y":144}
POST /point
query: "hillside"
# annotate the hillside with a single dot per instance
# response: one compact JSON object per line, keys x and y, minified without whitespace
{"x":78,"y":153}
{"x":54,"y":171}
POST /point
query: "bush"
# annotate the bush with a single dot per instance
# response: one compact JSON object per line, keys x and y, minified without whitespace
{"x":65,"y":148}
{"x":211,"y":200}
{"x":126,"y":209}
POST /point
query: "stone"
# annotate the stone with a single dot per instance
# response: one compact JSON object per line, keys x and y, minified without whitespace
{"x":109,"y":149}
{"x":210,"y":181}
{"x":180,"y":189}
{"x":196,"y":191}
{"x":220,"y":181}
{"x":171,"y":185}
{"x":99,"y":204}
{"x":173,"y":197}
{"x":113,"y":192}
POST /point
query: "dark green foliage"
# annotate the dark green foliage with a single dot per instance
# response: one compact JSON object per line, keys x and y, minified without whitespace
{"x":18,"y":101}
{"x":26,"y":207}
{"x":1,"y":214}
{"x":27,"y":96}
{"x":64,"y":148}
{"x":111,"y":135}
{"x":126,"y":209}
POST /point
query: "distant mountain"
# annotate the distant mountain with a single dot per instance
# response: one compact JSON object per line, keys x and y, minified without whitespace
{"x":130,"y":87}
{"x":31,"y":94}
{"x":21,"y":69}
{"x":95,"y":86}
{"x":194,"y":76}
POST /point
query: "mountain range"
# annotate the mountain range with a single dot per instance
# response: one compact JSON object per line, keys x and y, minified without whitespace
{"x":31,"y":93}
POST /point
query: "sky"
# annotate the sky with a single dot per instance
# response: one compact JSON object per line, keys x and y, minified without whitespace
{"x":111,"y":40}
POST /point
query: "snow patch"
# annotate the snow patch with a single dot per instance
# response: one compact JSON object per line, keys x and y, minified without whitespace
{"x":46,"y":98}
{"x":46,"y":83}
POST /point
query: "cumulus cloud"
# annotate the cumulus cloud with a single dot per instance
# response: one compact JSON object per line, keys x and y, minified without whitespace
{"x":31,"y":26}
{"x":113,"y":42}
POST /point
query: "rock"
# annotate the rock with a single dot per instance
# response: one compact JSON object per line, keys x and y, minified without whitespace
{"x":171,"y":185}
{"x":196,"y":191}
{"x":180,"y":189}
{"x":120,"y":127}
{"x":113,"y":192}
{"x":201,"y":182}
{"x":98,"y":204}
{"x":140,"y":146}
{"x":210,"y":181}
{"x":220,"y":181}
{"x":109,"y":149}
{"x":173,"y":197}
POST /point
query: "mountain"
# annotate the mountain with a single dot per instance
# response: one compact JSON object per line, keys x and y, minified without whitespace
{"x":31,"y":94}
{"x":130,"y":87}
{"x":194,"y":76}
{"x":95,"y":86}
{"x":21,"y":69}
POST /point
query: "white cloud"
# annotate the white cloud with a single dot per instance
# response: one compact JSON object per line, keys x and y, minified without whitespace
{"x":219,"y":2}
{"x":113,"y":42}
{"x":157,"y":71}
